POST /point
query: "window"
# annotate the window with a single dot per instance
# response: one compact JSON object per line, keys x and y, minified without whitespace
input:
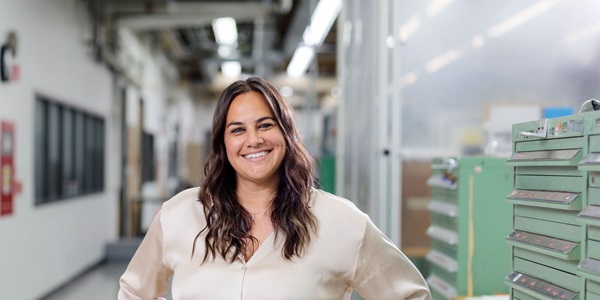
{"x":69,"y":152}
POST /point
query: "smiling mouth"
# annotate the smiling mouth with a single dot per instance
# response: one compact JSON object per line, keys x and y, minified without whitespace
{"x":256,"y":155}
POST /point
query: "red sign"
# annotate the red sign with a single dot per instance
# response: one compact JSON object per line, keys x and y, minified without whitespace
{"x":7,"y":167}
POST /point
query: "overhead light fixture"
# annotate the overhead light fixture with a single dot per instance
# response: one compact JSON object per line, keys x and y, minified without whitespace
{"x":320,"y":23}
{"x":225,"y":31}
{"x":582,"y":34}
{"x":408,"y":79}
{"x":521,"y":17}
{"x":300,"y":61}
{"x":436,"y":6}
{"x":478,"y":41}
{"x":410,"y":27}
{"x":442,"y":60}
{"x":231,"y":69}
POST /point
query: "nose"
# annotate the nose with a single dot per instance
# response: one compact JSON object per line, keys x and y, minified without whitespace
{"x":254,"y":138}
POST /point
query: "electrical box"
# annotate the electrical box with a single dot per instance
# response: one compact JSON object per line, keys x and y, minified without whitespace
{"x":469,"y":220}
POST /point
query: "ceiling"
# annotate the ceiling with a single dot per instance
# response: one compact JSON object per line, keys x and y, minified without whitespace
{"x":268,"y":33}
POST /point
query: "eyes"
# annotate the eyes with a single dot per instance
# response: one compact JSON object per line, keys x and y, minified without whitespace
{"x":261,"y":126}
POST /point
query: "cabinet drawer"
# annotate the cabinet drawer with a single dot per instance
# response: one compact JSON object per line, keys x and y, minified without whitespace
{"x":545,"y":273}
{"x":545,"y":158}
{"x":590,"y":268}
{"x":444,"y":248}
{"x":449,"y":278}
{"x":522,"y":296}
{"x":594,"y":195}
{"x":593,"y":287}
{"x":556,"y":248}
{"x":594,"y":233}
{"x":554,"y":170}
{"x":564,"y":265}
{"x":444,"y":221}
{"x":590,"y":215}
{"x":573,"y":184}
{"x":592,"y":296}
{"x":442,"y":260}
{"x":593,"y":249}
{"x":551,"y":229}
{"x":445,"y":235}
{"x":594,"y":179}
{"x":440,"y":287}
{"x":553,"y":215}
{"x":594,"y":145}
{"x":538,"y":288}
{"x":450,"y":196}
{"x":555,"y":200}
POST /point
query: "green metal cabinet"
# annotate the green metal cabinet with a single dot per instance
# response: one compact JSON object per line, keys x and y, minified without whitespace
{"x":549,"y":192}
{"x":470,"y":219}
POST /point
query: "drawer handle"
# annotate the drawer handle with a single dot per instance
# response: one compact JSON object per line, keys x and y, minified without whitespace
{"x":533,"y":134}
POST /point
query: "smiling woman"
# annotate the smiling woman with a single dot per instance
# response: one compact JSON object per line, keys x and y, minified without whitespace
{"x":255,"y":145}
{"x":258,"y":229}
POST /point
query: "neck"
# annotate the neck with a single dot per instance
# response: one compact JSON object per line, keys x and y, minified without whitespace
{"x":255,"y":198}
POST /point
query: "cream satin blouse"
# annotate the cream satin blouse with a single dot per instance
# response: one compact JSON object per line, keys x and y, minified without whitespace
{"x":348,"y":252}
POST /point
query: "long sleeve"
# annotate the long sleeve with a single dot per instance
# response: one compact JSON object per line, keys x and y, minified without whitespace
{"x":384,"y":272}
{"x":146,"y":276}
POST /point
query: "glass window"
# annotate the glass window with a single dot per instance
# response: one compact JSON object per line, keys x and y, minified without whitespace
{"x":69,"y":155}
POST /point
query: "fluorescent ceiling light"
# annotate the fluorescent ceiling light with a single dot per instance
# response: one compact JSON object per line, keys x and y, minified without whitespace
{"x":300,"y":61}
{"x":442,"y":60}
{"x":521,"y":17}
{"x":410,"y":27}
{"x":226,"y":51}
{"x":582,"y":34}
{"x":321,"y":21}
{"x":478,"y":41}
{"x":225,"y":31}
{"x":231,"y":68}
{"x":314,"y":34}
{"x":436,"y":6}
{"x":408,"y":79}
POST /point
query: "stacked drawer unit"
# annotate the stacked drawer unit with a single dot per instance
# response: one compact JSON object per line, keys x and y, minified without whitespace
{"x":549,"y":191}
{"x":469,"y":219}
{"x":589,"y":217}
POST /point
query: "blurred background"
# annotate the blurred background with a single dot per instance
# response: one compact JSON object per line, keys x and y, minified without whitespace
{"x":106,"y":109}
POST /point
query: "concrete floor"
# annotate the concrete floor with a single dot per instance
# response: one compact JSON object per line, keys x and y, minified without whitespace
{"x":101,"y":283}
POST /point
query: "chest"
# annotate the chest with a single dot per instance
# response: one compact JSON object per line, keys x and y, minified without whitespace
{"x":265,"y":276}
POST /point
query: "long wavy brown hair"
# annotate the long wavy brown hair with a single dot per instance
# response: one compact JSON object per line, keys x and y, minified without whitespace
{"x":227,"y":223}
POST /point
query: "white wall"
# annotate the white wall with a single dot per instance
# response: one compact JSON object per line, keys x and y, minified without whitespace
{"x":41,"y":247}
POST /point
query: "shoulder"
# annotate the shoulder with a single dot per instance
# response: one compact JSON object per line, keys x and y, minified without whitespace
{"x":181,"y":206}
{"x":332,"y":210}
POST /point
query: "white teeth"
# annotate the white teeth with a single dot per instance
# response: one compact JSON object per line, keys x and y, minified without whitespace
{"x":256,"y":155}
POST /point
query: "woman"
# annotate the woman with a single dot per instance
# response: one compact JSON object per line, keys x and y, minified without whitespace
{"x":257,"y":229}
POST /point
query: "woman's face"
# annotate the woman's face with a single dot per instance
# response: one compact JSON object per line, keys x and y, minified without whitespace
{"x":253,"y":140}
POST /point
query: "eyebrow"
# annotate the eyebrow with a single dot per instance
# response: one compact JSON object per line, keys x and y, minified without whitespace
{"x":257,"y":121}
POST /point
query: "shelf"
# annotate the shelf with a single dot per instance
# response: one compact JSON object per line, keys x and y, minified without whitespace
{"x":447,"y":236}
{"x":442,"y":287}
{"x":442,"y":260}
{"x":443,"y":208}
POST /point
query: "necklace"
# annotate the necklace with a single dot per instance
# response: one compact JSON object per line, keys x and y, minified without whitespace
{"x":258,"y":213}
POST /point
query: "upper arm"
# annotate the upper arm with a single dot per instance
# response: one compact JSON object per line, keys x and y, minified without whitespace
{"x":382,"y":271}
{"x":146,"y":276}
